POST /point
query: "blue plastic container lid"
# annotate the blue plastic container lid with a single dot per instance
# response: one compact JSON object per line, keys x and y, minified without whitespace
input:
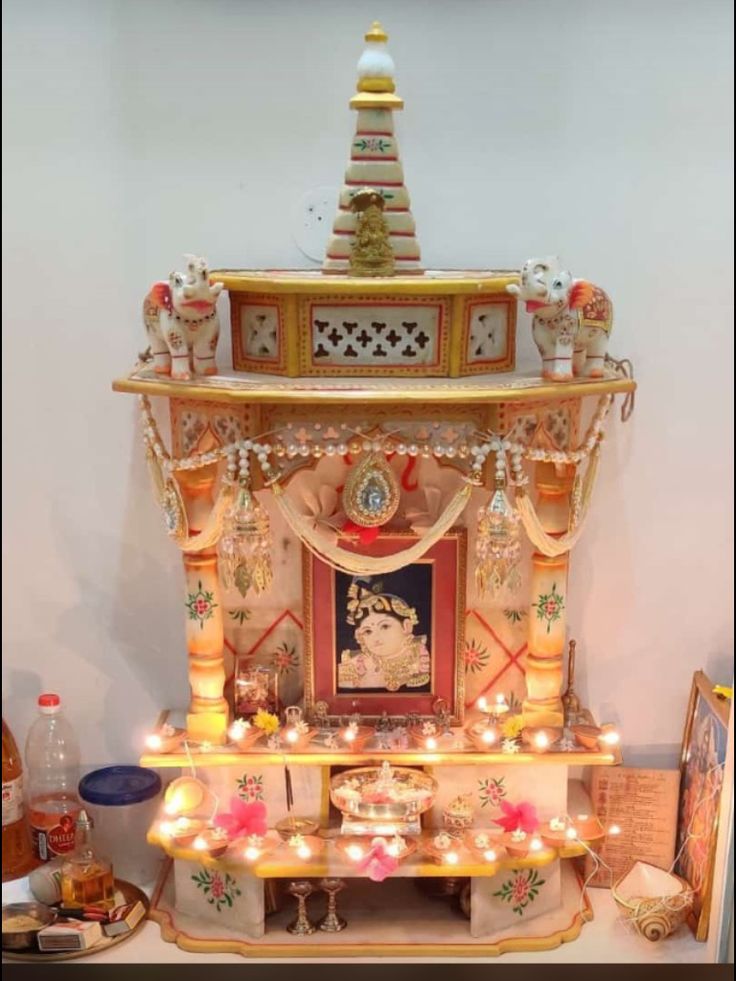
{"x":114,"y":786}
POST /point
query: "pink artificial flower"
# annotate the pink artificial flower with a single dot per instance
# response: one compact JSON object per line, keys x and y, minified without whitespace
{"x":518,"y":817}
{"x":378,"y":863}
{"x":245,"y":818}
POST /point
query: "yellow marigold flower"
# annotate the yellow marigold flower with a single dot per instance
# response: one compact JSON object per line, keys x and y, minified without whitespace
{"x":512,"y":727}
{"x":266,"y":721}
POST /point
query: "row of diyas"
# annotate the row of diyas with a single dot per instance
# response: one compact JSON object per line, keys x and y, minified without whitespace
{"x":495,"y":729}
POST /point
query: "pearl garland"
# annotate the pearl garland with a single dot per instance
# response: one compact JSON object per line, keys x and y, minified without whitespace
{"x":509,"y":454}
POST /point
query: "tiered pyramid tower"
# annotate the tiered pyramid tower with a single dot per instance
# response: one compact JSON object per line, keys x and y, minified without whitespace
{"x":374,"y":162}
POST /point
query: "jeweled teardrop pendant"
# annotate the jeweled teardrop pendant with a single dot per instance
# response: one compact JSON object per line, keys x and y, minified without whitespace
{"x":371,"y":494}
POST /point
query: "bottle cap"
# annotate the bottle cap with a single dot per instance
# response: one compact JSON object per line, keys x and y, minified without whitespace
{"x":49,"y":703}
{"x":84,"y":821}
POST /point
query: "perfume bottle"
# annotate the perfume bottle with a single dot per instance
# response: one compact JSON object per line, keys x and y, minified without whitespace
{"x":86,"y":877}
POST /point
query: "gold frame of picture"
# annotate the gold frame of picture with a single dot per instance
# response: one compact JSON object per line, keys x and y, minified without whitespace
{"x":701,"y":689}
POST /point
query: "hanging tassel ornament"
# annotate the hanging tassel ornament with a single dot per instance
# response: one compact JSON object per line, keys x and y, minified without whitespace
{"x":498,"y":545}
{"x":244,"y":548}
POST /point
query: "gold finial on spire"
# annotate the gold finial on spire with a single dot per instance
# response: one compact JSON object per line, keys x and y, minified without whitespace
{"x":376,"y":33}
{"x":376,"y":88}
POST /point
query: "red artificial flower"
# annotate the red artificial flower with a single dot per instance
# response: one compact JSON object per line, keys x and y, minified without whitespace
{"x":245,"y":818}
{"x":518,"y":817}
{"x":366,"y":536}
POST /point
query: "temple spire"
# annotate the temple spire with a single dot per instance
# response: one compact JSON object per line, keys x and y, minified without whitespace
{"x":374,"y":161}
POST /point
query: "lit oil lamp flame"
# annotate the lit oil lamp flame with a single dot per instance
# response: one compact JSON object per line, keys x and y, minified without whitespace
{"x":154,"y":742}
{"x":452,"y":858}
{"x":610,"y":738}
{"x":292,"y":736}
{"x":571,"y":833}
{"x":541,"y":740}
{"x":304,"y":852}
{"x":488,"y":737}
{"x":614,"y":830}
{"x":251,"y":853}
{"x":355,"y":852}
{"x":200,"y":844}
{"x":349,"y":735}
{"x":535,"y":845}
{"x":490,"y":855}
{"x":431,"y":743}
{"x":482,"y":704}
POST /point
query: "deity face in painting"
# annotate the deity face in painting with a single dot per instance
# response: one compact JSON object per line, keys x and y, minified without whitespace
{"x":389,"y":652}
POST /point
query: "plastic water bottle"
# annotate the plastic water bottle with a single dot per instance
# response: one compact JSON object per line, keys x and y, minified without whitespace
{"x":52,"y":767}
{"x":18,"y":857}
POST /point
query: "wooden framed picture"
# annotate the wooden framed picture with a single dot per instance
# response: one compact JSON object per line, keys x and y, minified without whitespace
{"x":701,"y":766}
{"x":390,"y":642}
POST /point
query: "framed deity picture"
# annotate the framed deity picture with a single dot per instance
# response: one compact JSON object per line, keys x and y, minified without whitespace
{"x":389,"y":642}
{"x":702,"y":766}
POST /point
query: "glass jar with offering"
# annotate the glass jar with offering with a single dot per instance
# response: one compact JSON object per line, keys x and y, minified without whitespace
{"x":255,"y":688}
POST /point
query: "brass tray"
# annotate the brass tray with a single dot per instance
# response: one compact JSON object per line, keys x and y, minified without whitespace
{"x":130,"y":893}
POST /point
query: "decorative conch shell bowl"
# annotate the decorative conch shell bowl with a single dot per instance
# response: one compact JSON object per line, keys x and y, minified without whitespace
{"x":655,"y":902}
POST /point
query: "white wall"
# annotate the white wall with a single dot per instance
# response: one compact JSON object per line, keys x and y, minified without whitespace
{"x":135,"y":131}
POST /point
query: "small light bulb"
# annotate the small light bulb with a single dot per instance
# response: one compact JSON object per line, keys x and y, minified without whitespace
{"x":490,"y":855}
{"x":451,"y":858}
{"x":541,"y":740}
{"x":349,"y":735}
{"x":355,"y":852}
{"x":488,"y":737}
{"x":571,"y":833}
{"x":200,"y":844}
{"x":154,"y":742}
{"x":251,"y":853}
{"x":292,"y":736}
{"x":610,"y":738}
{"x":482,"y":704}
{"x":304,"y":852}
{"x":431,"y":743}
{"x":535,"y":845}
{"x":614,"y":830}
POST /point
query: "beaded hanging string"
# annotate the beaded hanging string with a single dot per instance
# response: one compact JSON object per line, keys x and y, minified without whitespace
{"x":164,"y":468}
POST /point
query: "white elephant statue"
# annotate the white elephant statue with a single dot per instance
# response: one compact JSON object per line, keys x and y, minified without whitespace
{"x":182,"y":323}
{"x":572,"y":319}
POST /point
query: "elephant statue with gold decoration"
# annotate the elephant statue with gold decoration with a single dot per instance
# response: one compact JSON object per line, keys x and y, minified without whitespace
{"x":182,"y":322}
{"x":572,"y":319}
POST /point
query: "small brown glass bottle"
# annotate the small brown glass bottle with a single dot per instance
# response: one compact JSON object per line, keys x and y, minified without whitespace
{"x":86,"y":878}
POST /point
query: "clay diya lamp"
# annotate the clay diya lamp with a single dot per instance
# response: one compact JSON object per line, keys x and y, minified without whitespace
{"x":586,"y":736}
{"x":426,"y":737}
{"x":540,"y":740}
{"x":355,"y":738}
{"x":522,"y":847}
{"x":587,"y":827}
{"x":243,"y":734}
{"x":289,"y":826}
{"x":212,"y":841}
{"x":555,"y":833}
{"x":182,"y":831}
{"x":305,"y":847}
{"x":166,"y":740}
{"x":485,"y":736}
{"x":485,"y":845}
{"x":296,"y":738}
